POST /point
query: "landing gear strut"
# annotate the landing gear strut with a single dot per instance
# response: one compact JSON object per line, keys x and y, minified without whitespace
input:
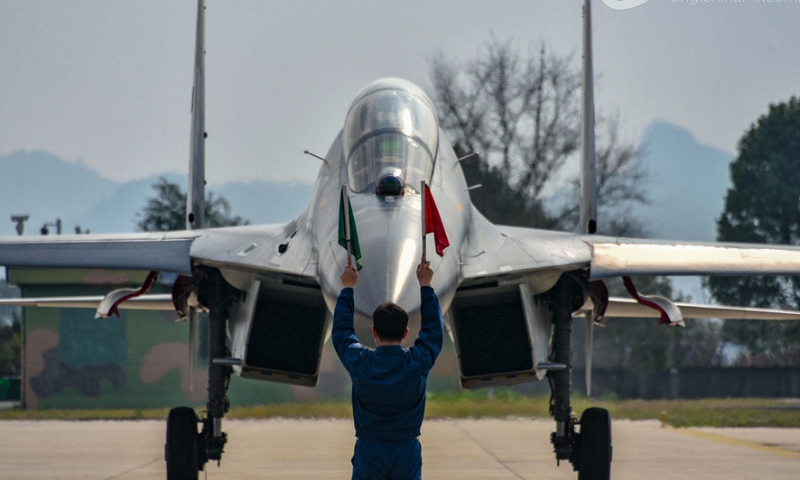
{"x":216,"y":294}
{"x":186,"y":451}
{"x":589,"y":451}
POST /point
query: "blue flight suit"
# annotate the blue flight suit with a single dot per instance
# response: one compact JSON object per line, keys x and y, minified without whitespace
{"x":388,"y":391}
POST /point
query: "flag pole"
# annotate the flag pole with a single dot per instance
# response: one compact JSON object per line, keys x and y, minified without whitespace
{"x":424,"y":233}
{"x":346,"y":208}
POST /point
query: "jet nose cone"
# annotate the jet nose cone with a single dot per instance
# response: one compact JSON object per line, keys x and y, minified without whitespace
{"x":390,"y":261}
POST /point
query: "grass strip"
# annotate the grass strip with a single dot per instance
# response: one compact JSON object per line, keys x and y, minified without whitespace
{"x":492,"y":403}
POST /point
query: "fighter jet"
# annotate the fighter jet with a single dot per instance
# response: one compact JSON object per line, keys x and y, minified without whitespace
{"x":508,"y":295}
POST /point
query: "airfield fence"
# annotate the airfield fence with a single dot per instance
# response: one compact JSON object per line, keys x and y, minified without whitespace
{"x":694,"y":382}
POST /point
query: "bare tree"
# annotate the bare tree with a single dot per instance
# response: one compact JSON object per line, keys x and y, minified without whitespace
{"x":522,"y":114}
{"x":620,"y":181}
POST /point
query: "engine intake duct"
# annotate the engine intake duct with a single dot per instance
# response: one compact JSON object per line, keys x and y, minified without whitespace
{"x":493,"y":335}
{"x":287,"y":332}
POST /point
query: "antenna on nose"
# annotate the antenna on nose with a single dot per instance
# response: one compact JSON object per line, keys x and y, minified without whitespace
{"x":327,"y":162}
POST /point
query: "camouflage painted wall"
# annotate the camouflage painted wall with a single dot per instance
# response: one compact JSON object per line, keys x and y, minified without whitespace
{"x":141,"y":360}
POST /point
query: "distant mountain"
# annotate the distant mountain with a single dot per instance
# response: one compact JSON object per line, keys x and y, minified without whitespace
{"x":47,"y":187}
{"x":118,"y":213}
{"x":687,"y":183}
{"x":265,"y":202}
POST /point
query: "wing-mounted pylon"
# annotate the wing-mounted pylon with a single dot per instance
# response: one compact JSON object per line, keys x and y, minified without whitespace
{"x":111,"y":302}
{"x":161,"y":302}
{"x":184,"y":295}
{"x":669,"y":313}
{"x":619,"y":307}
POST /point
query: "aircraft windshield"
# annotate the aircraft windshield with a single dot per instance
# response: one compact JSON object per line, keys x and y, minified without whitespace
{"x":390,"y":133}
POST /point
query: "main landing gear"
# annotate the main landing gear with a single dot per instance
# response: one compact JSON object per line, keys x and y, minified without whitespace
{"x":589,"y":449}
{"x":187,"y":451}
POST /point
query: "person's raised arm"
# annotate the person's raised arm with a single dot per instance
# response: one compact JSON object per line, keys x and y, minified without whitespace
{"x":343,"y":334}
{"x":424,"y":273}
{"x":429,"y":341}
{"x":350,"y":275}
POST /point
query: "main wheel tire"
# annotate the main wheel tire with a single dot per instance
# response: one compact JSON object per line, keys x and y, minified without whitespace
{"x":594,"y":445}
{"x":180,"y":451}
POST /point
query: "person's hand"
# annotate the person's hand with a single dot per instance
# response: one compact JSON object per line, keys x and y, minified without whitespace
{"x":424,"y":273}
{"x":350,"y":275}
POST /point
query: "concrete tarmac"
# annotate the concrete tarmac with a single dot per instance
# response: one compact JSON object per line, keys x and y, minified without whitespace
{"x":452,"y":449}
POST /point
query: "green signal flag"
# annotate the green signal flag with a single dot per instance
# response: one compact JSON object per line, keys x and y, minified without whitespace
{"x":348,"y":233}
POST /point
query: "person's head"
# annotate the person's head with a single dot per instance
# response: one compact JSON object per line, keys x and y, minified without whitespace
{"x":390,"y":322}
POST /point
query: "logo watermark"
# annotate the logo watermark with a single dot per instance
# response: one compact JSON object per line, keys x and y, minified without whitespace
{"x":624,"y":4}
{"x":695,"y":2}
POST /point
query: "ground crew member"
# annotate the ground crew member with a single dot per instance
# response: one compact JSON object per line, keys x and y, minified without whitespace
{"x":388,"y":382}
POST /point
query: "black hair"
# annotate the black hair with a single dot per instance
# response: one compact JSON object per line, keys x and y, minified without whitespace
{"x":390,"y":322}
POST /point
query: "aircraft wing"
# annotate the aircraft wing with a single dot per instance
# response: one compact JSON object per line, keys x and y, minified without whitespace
{"x":144,"y":302}
{"x":627,"y":307}
{"x":279,"y":248}
{"x":167,"y":251}
{"x":521,"y":250}
{"x":494,"y":250}
{"x":612,"y":257}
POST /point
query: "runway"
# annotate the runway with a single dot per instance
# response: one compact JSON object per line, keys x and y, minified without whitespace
{"x":452,"y":449}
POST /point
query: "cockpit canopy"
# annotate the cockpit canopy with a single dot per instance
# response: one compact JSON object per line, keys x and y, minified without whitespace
{"x":391,"y":137}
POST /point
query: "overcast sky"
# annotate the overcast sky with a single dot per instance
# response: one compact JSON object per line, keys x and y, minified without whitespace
{"x":108,"y":83}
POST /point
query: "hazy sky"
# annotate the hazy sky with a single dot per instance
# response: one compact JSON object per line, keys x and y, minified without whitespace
{"x":108,"y":83}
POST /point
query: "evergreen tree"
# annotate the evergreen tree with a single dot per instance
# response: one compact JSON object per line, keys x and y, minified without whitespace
{"x":167,"y":210}
{"x":763,"y":206}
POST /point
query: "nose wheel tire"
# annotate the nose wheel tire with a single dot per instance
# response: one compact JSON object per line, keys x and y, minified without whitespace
{"x":594,"y":445}
{"x":181,"y":449}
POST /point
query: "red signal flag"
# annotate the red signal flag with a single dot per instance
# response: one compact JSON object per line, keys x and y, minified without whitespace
{"x":433,"y":223}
